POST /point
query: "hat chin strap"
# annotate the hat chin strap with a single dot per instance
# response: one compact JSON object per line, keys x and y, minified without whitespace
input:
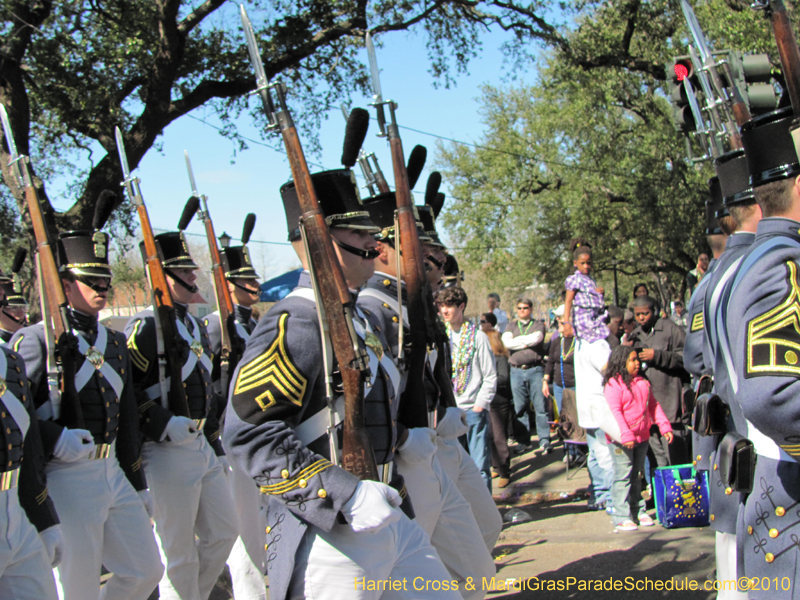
{"x":365,"y":254}
{"x":21,"y":321}
{"x":85,"y":280}
{"x":254,"y":292}
{"x":192,"y":288}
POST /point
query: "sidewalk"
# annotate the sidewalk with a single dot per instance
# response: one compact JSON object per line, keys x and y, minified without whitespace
{"x":564,"y":540}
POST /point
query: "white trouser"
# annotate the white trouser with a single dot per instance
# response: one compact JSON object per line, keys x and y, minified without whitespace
{"x":447,"y":518}
{"x":191,"y":498}
{"x":25,"y":572}
{"x":248,"y":558}
{"x":329,"y":566}
{"x":726,"y":566}
{"x":460,"y":467}
{"x":104,"y":522}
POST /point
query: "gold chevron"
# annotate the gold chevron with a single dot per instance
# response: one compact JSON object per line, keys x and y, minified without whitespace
{"x":294,"y":482}
{"x":18,"y":342}
{"x":779,"y":331}
{"x":697,"y":322}
{"x":137,"y":358}
{"x":273,"y":367}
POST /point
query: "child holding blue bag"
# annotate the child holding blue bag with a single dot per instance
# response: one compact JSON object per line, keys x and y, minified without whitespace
{"x":635,"y":409}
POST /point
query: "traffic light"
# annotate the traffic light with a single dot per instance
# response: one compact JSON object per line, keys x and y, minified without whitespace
{"x":681,"y":69}
{"x":752,"y":75}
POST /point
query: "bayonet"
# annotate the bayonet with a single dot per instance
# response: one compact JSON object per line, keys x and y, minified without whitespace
{"x":377,"y":96}
{"x":263,"y":86}
{"x":22,"y":174}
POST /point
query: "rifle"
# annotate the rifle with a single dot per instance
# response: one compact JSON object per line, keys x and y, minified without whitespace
{"x":413,"y":411}
{"x":169,"y":353}
{"x":61,"y":366}
{"x":227,"y":360}
{"x":331,"y":289}
{"x":789,"y":54}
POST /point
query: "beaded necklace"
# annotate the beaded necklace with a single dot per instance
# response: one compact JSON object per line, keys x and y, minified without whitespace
{"x":565,"y":357}
{"x":527,"y":327}
{"x":463,"y":355}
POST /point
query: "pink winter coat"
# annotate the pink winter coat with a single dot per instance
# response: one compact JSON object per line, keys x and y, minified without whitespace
{"x":635,"y":412}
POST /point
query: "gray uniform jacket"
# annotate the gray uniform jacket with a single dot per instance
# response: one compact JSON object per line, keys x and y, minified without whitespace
{"x":107,"y":416}
{"x":665,"y":372}
{"x":762,"y":354}
{"x":695,"y":345}
{"x":277,"y":391}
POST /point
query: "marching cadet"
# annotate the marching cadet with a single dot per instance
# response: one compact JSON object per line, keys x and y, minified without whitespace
{"x":247,"y":560}
{"x":440,"y":507}
{"x":744,"y":214}
{"x":326,"y":529}
{"x":760,"y":353}
{"x":94,"y":468}
{"x":26,"y":559}
{"x":190,"y":490}
{"x":14,"y":310}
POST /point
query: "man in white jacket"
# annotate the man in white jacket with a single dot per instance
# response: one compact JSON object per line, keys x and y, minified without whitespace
{"x":474,"y":375}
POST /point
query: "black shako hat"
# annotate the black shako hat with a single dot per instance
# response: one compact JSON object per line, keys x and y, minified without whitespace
{"x":84,"y":253}
{"x":769,"y":148}
{"x":713,"y":205}
{"x":239,"y":265}
{"x":381,"y":209}
{"x":453,"y":276}
{"x":337,"y":194}
{"x":734,"y":178}
{"x":11,"y":282}
{"x":174,"y":251}
{"x":426,"y":217}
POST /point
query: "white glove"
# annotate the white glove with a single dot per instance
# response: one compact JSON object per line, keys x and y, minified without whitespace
{"x":453,"y":424}
{"x":180,"y":430}
{"x":147,"y":499}
{"x":53,"y":541}
{"x":74,"y":444}
{"x":420,"y":445}
{"x":372,"y":507}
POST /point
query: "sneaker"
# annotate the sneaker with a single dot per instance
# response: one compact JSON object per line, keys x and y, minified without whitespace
{"x":646,"y":521}
{"x":626,"y":526}
{"x":596,"y":506}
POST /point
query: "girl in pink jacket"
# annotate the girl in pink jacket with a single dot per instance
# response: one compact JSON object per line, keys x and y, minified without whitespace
{"x":635,"y":409}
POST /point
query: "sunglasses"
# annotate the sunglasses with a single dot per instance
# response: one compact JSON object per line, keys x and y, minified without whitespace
{"x":523,"y":308}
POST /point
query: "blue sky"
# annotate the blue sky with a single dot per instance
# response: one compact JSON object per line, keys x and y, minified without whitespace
{"x":252,"y":181}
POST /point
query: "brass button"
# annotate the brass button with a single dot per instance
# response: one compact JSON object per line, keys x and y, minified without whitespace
{"x":9,"y":446}
{"x":285,"y":474}
{"x":122,"y":371}
{"x":715,"y":467}
{"x":712,"y":517}
{"x":102,"y":389}
{"x":322,"y":493}
{"x":116,"y":343}
{"x":268,"y":529}
{"x":694,"y":463}
{"x":780,"y":511}
{"x":770,"y":557}
{"x":3,"y":415}
{"x":108,"y":404}
{"x":728,"y":491}
{"x":184,"y":385}
{"x":302,"y":483}
{"x":8,"y":429}
{"x":395,"y":319}
{"x":10,"y":463}
{"x":387,"y":283}
{"x":266,"y":546}
{"x":773,"y":533}
{"x":750,"y":529}
{"x":385,"y":305}
{"x":23,"y":397}
{"x":699,"y":457}
{"x":18,"y":369}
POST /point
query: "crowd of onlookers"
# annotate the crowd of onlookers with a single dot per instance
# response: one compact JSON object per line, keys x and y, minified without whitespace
{"x":608,"y":381}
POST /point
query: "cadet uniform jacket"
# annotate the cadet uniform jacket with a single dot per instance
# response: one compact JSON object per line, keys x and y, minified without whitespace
{"x":762,"y":355}
{"x":695,"y":345}
{"x":107,"y":407}
{"x":275,"y":427}
{"x":245,"y":324}
{"x":24,"y":454}
{"x":202,"y":400}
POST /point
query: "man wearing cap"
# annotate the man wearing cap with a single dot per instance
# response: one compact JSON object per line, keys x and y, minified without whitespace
{"x":14,"y":310}
{"x":247,"y":560}
{"x":328,"y":534}
{"x":757,"y":324}
{"x":439,"y":500}
{"x":744,"y":214}
{"x":190,"y":490}
{"x":94,"y":466}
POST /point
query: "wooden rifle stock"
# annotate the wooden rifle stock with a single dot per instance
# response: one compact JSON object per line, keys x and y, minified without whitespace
{"x":357,"y":454}
{"x":788,"y":50}
{"x":164,"y":312}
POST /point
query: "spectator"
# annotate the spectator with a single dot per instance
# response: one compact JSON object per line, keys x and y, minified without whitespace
{"x":660,"y":346}
{"x":560,"y":370}
{"x":474,"y":377}
{"x":488,"y":322}
{"x":500,"y":412}
{"x":635,"y":409}
{"x":694,"y":276}
{"x":640,"y":289}
{"x":628,"y":325}
{"x":615,"y":317}
{"x":493,"y":301}
{"x":679,"y":315}
{"x":524,"y":338}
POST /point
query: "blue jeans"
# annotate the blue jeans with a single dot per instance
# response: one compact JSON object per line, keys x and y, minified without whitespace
{"x":600,"y":465}
{"x":627,"y":488}
{"x":526,"y":387}
{"x":478,"y":440}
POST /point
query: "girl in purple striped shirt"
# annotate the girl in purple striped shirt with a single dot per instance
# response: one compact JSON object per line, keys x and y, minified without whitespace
{"x":584,"y":297}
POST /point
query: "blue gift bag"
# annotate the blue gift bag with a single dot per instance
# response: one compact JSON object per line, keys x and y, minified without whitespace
{"x":681,"y":496}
